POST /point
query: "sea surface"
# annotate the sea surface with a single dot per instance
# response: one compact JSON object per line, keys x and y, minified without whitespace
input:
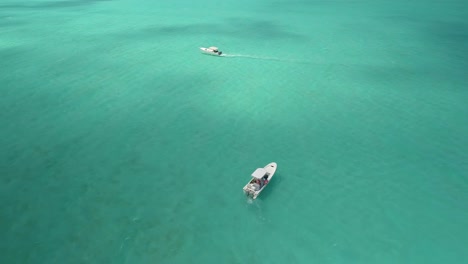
{"x":121,"y":143}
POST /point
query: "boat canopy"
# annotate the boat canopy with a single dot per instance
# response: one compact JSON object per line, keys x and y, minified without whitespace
{"x":213,"y":48}
{"x":259,"y":173}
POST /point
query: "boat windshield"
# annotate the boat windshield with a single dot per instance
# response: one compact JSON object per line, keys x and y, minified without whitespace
{"x":259,"y":173}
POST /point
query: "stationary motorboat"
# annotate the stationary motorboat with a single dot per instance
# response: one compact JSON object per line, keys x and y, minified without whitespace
{"x":211,"y":51}
{"x":260,"y":178}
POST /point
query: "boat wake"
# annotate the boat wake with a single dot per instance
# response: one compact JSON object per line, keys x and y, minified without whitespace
{"x":262,"y":58}
{"x":251,"y":57}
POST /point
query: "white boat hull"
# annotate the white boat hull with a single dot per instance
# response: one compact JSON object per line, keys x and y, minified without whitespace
{"x":211,"y":52}
{"x":249,"y":188}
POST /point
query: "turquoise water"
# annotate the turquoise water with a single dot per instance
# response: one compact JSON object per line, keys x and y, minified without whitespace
{"x":121,"y":143}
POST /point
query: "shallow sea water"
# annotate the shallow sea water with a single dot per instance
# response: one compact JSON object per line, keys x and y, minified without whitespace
{"x":122,"y":143}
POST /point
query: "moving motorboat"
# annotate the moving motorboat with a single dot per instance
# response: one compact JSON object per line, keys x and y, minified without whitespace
{"x":260,"y":178}
{"x":211,"y":51}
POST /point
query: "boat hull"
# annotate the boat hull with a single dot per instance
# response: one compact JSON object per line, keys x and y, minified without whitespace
{"x":210,"y":52}
{"x":248,"y":188}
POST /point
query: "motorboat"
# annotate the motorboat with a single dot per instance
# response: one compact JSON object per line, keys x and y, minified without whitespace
{"x":260,"y":178}
{"x":211,"y":51}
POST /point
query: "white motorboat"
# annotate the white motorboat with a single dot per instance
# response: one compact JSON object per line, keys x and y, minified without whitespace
{"x":211,"y":51}
{"x":260,"y":178}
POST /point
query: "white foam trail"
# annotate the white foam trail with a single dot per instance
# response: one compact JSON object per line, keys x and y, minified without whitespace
{"x":263,"y":58}
{"x":123,"y":243}
{"x":250,"y":57}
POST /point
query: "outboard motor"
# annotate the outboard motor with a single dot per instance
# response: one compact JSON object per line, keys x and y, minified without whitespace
{"x":219,"y":53}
